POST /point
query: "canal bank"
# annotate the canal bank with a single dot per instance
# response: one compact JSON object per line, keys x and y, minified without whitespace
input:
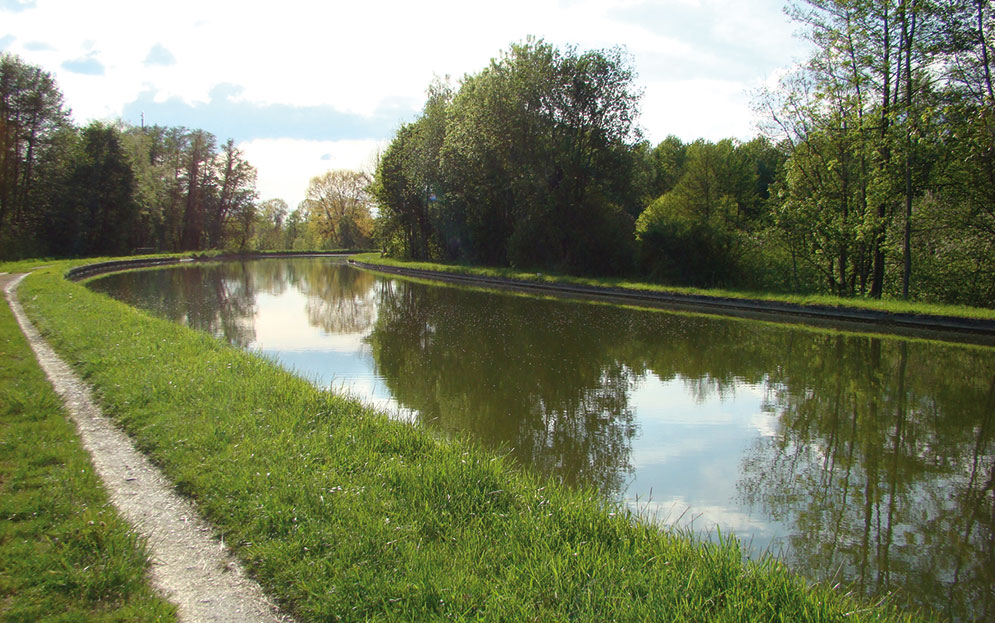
{"x":792,"y":438}
{"x":935,"y":326}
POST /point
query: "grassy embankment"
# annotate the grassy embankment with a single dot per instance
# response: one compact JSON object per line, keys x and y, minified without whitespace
{"x":344,"y":514}
{"x":65,"y":554}
{"x":893,"y":306}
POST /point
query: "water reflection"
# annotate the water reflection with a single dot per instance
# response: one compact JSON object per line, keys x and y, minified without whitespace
{"x":884,"y":461}
{"x":215,"y":299}
{"x":863,"y":459}
{"x":536,"y":379}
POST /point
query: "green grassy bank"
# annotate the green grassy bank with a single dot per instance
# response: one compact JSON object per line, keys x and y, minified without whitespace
{"x":65,"y":555}
{"x":343,"y":514}
{"x":891,"y":306}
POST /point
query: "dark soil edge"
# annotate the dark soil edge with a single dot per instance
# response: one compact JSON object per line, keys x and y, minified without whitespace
{"x":950,"y":328}
{"x":85,"y":271}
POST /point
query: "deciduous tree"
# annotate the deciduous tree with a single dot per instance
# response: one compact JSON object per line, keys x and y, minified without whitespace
{"x":339,"y":201}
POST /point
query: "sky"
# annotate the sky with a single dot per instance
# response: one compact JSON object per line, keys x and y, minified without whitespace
{"x":305,"y":87}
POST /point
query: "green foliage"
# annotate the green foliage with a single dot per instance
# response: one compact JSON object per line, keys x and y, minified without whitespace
{"x":66,"y":191}
{"x":270,"y":231}
{"x":885,"y":305}
{"x":529,"y":163}
{"x":668,"y":163}
{"x":683,"y":247}
{"x":700,"y":231}
{"x":94,"y":212}
{"x":339,"y":205}
{"x":33,"y":124}
{"x":956,"y":238}
{"x":887,"y":184}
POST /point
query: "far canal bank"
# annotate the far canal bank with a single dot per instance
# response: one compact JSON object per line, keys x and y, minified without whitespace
{"x":943,"y":326}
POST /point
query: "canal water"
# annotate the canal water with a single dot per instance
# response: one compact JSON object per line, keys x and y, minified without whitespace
{"x":863,"y":460}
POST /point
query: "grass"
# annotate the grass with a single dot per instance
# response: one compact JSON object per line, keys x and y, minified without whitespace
{"x":65,"y":554}
{"x":344,"y":514}
{"x":893,"y":306}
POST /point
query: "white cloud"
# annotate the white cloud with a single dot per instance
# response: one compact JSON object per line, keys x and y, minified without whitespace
{"x":696,"y":59}
{"x":285,"y":166}
{"x":714,"y":111}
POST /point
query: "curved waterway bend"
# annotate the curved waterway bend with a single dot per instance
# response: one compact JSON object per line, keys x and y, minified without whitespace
{"x":862,"y":458}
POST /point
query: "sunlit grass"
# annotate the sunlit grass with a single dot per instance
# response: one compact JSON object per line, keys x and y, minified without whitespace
{"x":65,"y":555}
{"x":892,"y":306}
{"x":344,"y":514}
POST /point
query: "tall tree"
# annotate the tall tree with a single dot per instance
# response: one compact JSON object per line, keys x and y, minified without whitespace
{"x":271,"y":232}
{"x":235,"y":188}
{"x":197,"y":182}
{"x":32,"y":116}
{"x":535,"y":168}
{"x":698,"y":232}
{"x":99,"y":200}
{"x":414,"y":218}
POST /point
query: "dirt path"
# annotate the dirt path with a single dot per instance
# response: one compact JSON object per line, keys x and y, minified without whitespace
{"x":190,"y":566}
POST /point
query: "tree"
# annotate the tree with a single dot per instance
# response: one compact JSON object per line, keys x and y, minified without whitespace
{"x":403,"y":227}
{"x":874,"y":114}
{"x":32,"y":118}
{"x":235,"y":200}
{"x":530,"y":162}
{"x":695,"y":233}
{"x":339,"y":201}
{"x":296,"y":229}
{"x":198,"y":187}
{"x":110,"y":188}
{"x":668,"y":159}
{"x":96,"y":214}
{"x":270,"y":228}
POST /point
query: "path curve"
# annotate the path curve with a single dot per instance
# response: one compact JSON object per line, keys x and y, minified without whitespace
{"x":191,"y":567}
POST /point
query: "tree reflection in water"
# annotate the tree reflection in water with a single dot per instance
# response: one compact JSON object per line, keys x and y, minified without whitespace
{"x":883,"y":462}
{"x":536,"y":381}
{"x":218,"y":298}
{"x":339,"y":301}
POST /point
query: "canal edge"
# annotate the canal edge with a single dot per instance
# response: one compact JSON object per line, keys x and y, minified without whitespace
{"x":949,"y":327}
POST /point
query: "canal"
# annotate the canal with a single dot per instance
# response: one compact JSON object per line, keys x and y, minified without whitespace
{"x":861,"y":459}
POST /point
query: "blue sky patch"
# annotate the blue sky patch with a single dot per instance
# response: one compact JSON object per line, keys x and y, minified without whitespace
{"x":38,"y":46}
{"x":229,"y":117}
{"x":159,"y":55}
{"x":17,"y":5}
{"x":87,"y":65}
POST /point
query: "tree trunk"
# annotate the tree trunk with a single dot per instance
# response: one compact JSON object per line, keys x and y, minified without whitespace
{"x":877,"y":240}
{"x":984,"y":49}
{"x":908,"y":33}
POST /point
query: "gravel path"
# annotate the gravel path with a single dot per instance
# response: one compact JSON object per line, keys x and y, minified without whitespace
{"x":191,"y":567}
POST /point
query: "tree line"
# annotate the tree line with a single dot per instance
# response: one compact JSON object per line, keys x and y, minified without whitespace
{"x":116,"y":188}
{"x":874,"y":174}
{"x":109,"y":188}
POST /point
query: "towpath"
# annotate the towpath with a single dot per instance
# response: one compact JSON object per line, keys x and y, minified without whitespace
{"x":190,"y":565}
